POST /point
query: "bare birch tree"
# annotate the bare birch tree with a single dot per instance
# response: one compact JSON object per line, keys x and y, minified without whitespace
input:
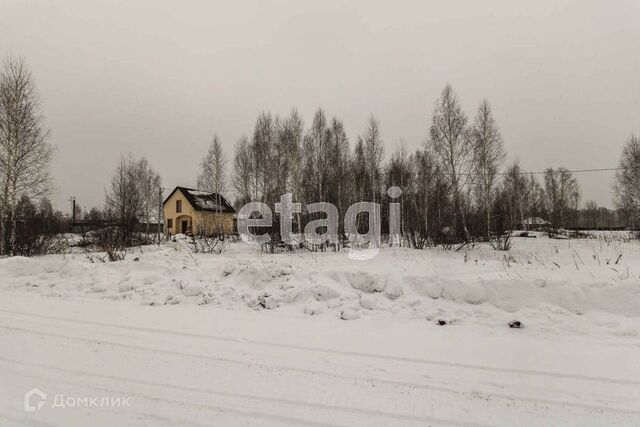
{"x":373,"y":156}
{"x":340,"y":165}
{"x":149,"y":183}
{"x":287,"y":153}
{"x":400,"y":173}
{"x":25,"y":151}
{"x":562,"y":195}
{"x":212,"y":176}
{"x":265,"y":135}
{"x":488,"y":154}
{"x":627,"y":181}
{"x":592,"y":214}
{"x":451,"y":145}
{"x":124,"y":200}
{"x":316,"y":148}
{"x":243,"y":175}
{"x":290,"y":163}
{"x":522,"y":197}
{"x":361,"y":182}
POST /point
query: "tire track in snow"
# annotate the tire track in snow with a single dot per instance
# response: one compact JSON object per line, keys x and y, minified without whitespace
{"x":340,"y":352}
{"x":461,"y":393}
{"x":16,"y":422}
{"x":279,"y":401}
{"x":252,"y":414}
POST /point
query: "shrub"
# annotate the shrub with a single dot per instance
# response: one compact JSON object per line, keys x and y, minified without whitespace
{"x":38,"y":230}
{"x":109,"y":240}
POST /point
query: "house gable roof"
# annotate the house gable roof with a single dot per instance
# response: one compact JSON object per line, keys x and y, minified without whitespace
{"x":203,"y":200}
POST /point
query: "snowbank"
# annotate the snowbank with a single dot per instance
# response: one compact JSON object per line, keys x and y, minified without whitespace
{"x":544,"y":283}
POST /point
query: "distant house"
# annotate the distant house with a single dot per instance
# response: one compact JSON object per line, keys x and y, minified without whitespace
{"x":199,"y":212}
{"x":535,"y":223}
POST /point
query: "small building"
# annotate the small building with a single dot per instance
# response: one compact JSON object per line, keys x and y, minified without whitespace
{"x":192,"y":211}
{"x":535,"y":223}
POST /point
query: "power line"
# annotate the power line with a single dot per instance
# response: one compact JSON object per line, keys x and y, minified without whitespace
{"x":557,"y":171}
{"x":554,"y":171}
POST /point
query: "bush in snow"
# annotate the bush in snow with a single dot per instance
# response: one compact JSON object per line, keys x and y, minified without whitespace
{"x":208,"y":244}
{"x":109,"y":240}
{"x":501,"y":241}
{"x":38,"y":229}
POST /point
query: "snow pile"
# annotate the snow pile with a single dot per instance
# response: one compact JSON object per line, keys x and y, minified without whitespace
{"x":206,"y":200}
{"x":199,"y":193}
{"x":545,"y":283}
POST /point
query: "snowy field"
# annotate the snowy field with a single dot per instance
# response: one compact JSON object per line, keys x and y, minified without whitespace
{"x":406,"y":338}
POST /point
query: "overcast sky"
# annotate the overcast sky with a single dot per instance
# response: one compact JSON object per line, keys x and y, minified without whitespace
{"x":158,"y":79}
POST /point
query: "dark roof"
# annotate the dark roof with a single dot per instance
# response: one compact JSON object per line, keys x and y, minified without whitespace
{"x":203,"y":200}
{"x":535,"y":221}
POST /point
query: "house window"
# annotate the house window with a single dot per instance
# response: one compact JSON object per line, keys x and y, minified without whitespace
{"x":170,"y":223}
{"x":178,"y":206}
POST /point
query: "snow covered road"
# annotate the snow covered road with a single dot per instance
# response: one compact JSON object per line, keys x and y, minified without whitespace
{"x":184,"y":365}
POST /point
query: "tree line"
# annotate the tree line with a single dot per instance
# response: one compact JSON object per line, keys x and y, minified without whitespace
{"x":455,"y":188}
{"x":28,"y":223}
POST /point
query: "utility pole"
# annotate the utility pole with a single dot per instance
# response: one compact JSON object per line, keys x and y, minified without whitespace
{"x":426,"y":214}
{"x":72,"y":199}
{"x":159,"y":213}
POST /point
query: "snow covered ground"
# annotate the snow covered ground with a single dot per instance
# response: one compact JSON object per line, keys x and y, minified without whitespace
{"x":246,"y":338}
